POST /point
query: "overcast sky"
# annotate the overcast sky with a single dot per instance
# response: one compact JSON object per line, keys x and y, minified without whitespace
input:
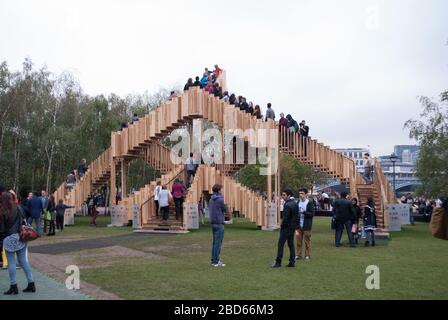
{"x":352,"y":68}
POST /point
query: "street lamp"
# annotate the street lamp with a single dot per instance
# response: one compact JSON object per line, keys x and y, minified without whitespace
{"x":393,"y":158}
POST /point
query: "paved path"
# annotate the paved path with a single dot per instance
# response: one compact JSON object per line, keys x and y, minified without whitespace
{"x":63,"y":247}
{"x":47,"y":288}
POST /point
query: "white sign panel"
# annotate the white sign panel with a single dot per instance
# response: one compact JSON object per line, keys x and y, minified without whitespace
{"x":69,"y":217}
{"x":136,"y":216}
{"x":119,"y":216}
{"x":398,"y":215}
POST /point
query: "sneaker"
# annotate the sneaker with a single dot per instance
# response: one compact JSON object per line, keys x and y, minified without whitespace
{"x":276,"y":265}
{"x":298,"y":258}
{"x":291,"y":265}
{"x":307,"y":258}
{"x":219,"y":265}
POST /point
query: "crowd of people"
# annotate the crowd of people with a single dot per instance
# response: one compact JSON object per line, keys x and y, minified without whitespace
{"x":211,"y":84}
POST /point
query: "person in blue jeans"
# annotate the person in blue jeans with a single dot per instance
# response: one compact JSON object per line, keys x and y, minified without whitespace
{"x":35,"y":206}
{"x":11,"y":218}
{"x":218,"y":210}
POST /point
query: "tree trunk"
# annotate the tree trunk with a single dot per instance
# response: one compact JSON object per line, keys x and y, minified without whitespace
{"x":17,"y":163}
{"x":50,"y":163}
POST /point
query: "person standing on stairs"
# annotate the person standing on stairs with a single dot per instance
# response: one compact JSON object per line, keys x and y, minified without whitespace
{"x":165,"y":198}
{"x":257,"y":113}
{"x":283,"y":122}
{"x":290,"y":223}
{"x":270,"y":114}
{"x":191,"y":169}
{"x":367,"y":168}
{"x":217,"y":209}
{"x":156,"y":196}
{"x":293,"y":125}
{"x":369,"y":219}
{"x":178,"y":192}
{"x":343,"y":213}
{"x":82,"y":168}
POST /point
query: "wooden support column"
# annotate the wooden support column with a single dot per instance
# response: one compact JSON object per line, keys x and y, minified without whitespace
{"x":113,"y":183}
{"x":124,"y":179}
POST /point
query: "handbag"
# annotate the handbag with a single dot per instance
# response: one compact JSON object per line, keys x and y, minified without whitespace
{"x":354,"y":228}
{"x":47,"y":215}
{"x":27,"y":233}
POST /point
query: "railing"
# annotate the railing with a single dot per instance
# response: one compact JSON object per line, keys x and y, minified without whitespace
{"x":167,"y":183}
{"x":382,"y":185}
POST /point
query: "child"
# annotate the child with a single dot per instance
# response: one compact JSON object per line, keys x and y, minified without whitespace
{"x":60,"y":211}
{"x":369,"y":219}
{"x":94,"y":215}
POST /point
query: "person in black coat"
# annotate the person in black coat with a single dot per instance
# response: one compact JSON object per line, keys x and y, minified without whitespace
{"x":369,"y":219}
{"x":288,"y":226}
{"x":343,"y":213}
{"x":306,"y":208}
{"x":355,"y":220}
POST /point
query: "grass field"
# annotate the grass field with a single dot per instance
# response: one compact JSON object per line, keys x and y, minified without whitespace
{"x":413,"y":265}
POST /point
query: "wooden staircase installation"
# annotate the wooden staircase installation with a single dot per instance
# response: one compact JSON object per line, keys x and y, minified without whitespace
{"x":146,"y":133}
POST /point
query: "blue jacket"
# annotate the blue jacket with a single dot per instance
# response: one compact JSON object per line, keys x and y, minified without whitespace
{"x":204,"y":80}
{"x":35,"y":206}
{"x":217,"y":208}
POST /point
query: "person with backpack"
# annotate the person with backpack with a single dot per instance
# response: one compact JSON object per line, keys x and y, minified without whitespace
{"x":369,"y":219}
{"x":11,"y":219}
{"x":306,"y":207}
{"x":293,"y":125}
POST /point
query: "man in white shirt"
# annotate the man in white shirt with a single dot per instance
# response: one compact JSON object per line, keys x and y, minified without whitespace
{"x":165,"y":198}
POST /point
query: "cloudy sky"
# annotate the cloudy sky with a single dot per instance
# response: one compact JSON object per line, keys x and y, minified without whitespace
{"x":352,"y":68}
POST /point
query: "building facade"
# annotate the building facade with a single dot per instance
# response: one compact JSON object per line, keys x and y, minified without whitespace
{"x":357,"y":155}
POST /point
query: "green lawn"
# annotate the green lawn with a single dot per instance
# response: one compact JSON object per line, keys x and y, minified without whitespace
{"x":413,"y":265}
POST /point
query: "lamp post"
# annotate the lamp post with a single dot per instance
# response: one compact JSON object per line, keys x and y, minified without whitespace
{"x":393,"y":158}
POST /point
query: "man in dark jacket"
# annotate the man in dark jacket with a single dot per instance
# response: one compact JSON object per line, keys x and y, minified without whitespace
{"x":287,"y":228}
{"x":306,"y":213}
{"x":35,"y":205}
{"x":343,"y":213}
{"x":217,"y":210}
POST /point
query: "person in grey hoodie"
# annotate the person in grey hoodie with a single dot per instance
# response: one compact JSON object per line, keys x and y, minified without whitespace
{"x":217,"y":209}
{"x":270,"y":114}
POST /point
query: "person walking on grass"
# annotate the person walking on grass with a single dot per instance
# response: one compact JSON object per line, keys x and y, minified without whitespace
{"x":35,"y":206}
{"x":355,"y":219}
{"x":60,"y":212}
{"x":94,"y":215}
{"x":51,"y":212}
{"x":287,"y":229}
{"x":343,"y":213}
{"x":218,"y":210}
{"x":11,"y":218}
{"x":303,"y":233}
{"x":369,"y":219}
